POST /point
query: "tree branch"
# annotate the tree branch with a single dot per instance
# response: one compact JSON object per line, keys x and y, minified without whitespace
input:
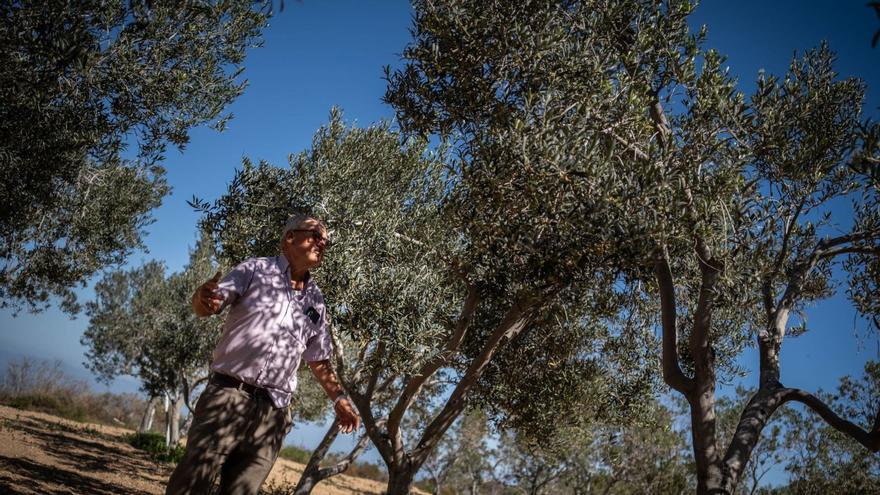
{"x":375,"y":429}
{"x":346,"y":461}
{"x":824,"y":249}
{"x":414,"y":384}
{"x":831,"y":253}
{"x":869,"y":439}
{"x":374,"y":377}
{"x":786,"y":236}
{"x":699,"y":341}
{"x":515,"y":320}
{"x":852,"y":237}
{"x":672,"y":374}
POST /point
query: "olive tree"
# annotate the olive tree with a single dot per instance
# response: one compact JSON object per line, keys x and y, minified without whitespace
{"x":91,"y":95}
{"x":601,"y":135}
{"x":390,"y":292}
{"x":141,"y":324}
{"x":401,"y":281}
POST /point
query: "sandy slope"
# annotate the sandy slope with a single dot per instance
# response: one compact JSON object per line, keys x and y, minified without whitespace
{"x":44,"y":454}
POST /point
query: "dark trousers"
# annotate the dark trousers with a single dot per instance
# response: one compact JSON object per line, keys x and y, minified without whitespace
{"x":235,"y":436}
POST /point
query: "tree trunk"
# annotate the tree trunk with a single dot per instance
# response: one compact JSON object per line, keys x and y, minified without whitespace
{"x":400,"y":480}
{"x":167,"y":421}
{"x":147,"y":418}
{"x":173,"y":418}
{"x":709,"y":473}
{"x":309,"y":477}
{"x":313,"y":474}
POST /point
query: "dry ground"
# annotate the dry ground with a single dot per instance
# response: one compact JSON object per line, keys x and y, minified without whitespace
{"x":44,"y":454}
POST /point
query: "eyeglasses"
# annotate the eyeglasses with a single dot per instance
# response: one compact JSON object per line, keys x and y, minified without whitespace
{"x":317,"y":236}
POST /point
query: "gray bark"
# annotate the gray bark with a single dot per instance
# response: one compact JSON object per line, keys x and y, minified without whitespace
{"x":149,"y":414}
{"x":314,"y":474}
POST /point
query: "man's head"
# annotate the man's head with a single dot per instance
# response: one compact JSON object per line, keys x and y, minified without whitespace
{"x":303,"y":241}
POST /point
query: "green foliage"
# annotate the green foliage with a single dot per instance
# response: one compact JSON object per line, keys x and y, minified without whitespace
{"x":578,"y":362}
{"x":141,"y":323}
{"x":295,"y":454}
{"x":154,"y":444}
{"x":83,"y":82}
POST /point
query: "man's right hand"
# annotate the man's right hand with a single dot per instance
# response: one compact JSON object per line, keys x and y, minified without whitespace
{"x":206,"y":300}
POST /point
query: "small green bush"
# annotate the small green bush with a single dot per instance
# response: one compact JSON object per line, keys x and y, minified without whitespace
{"x":367,"y":470}
{"x":172,"y":456}
{"x":295,"y":454}
{"x":154,"y":444}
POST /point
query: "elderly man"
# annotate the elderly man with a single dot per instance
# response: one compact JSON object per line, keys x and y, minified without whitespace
{"x":276,"y":318}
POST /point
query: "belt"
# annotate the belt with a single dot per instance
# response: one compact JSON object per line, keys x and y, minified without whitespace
{"x":227,"y":381}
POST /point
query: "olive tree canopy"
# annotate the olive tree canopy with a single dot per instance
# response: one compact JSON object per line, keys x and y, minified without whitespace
{"x":91,"y":95}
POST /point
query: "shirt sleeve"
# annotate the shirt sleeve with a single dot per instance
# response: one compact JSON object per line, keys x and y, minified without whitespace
{"x":236,"y":282}
{"x":320,"y":346}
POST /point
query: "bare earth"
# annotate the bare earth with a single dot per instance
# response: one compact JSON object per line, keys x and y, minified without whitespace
{"x":44,"y":454}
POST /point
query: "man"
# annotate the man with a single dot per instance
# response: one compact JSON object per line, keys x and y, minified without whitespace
{"x":276,"y":318}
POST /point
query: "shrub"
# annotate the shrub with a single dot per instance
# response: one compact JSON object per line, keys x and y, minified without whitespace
{"x":61,"y":406}
{"x":43,"y":386}
{"x":295,"y":454}
{"x":367,"y":470}
{"x":154,"y":444}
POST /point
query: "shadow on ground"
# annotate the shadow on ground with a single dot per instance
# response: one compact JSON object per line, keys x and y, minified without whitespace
{"x":83,"y":460}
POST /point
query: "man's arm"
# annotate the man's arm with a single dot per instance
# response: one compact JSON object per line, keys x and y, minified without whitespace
{"x":206,"y":300}
{"x":349,"y":420}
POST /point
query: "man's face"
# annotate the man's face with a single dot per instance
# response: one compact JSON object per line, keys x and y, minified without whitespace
{"x":305,"y":245}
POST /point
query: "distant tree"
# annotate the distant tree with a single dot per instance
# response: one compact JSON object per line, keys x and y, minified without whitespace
{"x":647,"y":455}
{"x":526,"y":467}
{"x":141,"y":324}
{"x":463,"y":461}
{"x":91,"y":95}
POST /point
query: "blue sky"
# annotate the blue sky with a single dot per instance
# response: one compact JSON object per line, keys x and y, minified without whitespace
{"x":318,"y":54}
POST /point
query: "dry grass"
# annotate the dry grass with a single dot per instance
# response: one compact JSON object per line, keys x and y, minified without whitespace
{"x":41,"y":453}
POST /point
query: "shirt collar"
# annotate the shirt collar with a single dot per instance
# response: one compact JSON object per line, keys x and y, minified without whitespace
{"x":284,"y":268}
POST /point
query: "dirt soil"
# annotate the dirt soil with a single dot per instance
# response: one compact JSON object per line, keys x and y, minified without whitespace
{"x":44,"y":454}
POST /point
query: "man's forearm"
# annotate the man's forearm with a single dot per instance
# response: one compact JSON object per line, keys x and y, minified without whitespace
{"x":327,"y":378}
{"x":346,"y":414}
